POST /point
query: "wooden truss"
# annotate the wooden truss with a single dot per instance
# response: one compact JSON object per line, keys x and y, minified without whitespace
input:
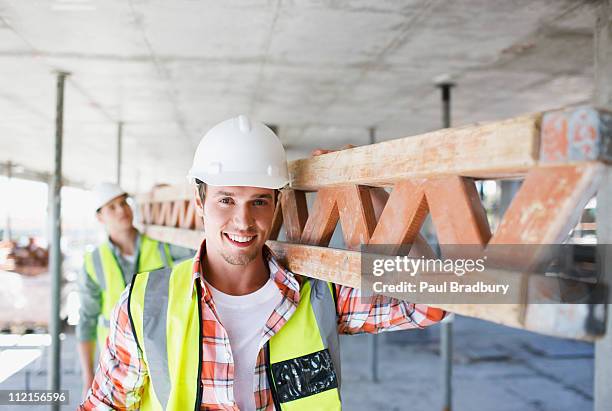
{"x":562,"y":156}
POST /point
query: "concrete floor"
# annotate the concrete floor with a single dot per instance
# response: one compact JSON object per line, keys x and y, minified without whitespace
{"x":494,"y":368}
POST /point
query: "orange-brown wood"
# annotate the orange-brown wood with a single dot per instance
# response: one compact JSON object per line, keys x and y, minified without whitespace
{"x":277,"y":221}
{"x":323,"y":219}
{"x":177,"y":209}
{"x":295,"y":213}
{"x":157,"y":217}
{"x":457,"y":214}
{"x":187,"y":218}
{"x":356,"y":215}
{"x":403,"y":215}
{"x":146,"y":212}
{"x":547,"y":206}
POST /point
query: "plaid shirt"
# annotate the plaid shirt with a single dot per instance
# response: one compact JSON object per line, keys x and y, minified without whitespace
{"x":122,"y":374}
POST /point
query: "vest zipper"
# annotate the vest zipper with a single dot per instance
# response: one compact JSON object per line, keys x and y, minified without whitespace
{"x":129,"y":311}
{"x":198,"y":403}
{"x":270,"y":379}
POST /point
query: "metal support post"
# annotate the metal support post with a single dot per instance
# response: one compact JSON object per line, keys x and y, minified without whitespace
{"x":7,"y":228}
{"x":603,"y":346}
{"x":603,"y":98}
{"x":56,"y":252}
{"x":119,"y":150}
{"x":446,"y":330}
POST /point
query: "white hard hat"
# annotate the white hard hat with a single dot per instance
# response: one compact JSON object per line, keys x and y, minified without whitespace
{"x":103,"y":193}
{"x":240,"y":152}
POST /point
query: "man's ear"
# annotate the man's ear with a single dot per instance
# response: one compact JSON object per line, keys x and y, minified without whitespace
{"x":99,"y":217}
{"x":198,"y":202}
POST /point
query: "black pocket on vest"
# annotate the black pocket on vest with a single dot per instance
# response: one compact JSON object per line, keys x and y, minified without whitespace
{"x":304,"y":376}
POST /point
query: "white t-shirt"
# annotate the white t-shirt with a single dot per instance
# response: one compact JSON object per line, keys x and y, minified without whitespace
{"x":244,"y":318}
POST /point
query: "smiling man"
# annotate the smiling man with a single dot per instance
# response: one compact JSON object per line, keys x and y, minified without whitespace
{"x":233,"y":329}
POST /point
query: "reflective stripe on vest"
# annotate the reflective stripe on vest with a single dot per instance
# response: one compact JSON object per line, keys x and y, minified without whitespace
{"x":103,"y":268}
{"x":173,"y":363}
{"x":164,"y":311}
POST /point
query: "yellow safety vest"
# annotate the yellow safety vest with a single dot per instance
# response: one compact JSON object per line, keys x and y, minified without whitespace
{"x":103,"y":268}
{"x":302,"y":359}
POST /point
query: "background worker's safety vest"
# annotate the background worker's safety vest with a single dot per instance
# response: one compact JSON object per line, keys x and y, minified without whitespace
{"x":302,"y":359}
{"x":103,"y":268}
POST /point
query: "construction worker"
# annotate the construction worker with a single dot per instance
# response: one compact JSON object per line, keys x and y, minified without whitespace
{"x":109,"y":267}
{"x":233,"y":329}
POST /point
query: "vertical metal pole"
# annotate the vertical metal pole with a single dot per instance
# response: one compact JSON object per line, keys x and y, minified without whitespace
{"x":119,"y":150}
{"x":49,"y":233}
{"x":56,"y":252}
{"x":374,"y":337}
{"x":7,"y":229}
{"x":603,"y":346}
{"x":603,"y":98}
{"x":446,"y":330}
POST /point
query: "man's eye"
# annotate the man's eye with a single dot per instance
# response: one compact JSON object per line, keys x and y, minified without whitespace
{"x":259,"y":202}
{"x":226,"y":200}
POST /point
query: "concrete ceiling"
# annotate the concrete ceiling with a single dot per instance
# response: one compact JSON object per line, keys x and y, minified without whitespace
{"x":324,"y":71}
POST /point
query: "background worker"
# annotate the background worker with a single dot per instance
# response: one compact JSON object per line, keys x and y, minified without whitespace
{"x":110,"y":267}
{"x":234,"y":329}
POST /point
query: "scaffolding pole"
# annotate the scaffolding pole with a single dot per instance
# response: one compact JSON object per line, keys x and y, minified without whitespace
{"x":446,"y":330}
{"x":7,"y":230}
{"x":56,"y":252}
{"x":119,"y":150}
{"x":603,"y":98}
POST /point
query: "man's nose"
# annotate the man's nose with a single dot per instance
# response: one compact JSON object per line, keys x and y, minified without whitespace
{"x":122,"y":211}
{"x":243,"y":218}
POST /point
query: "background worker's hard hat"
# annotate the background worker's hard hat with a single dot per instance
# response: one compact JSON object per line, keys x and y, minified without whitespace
{"x":105,"y":192}
{"x":240,"y":152}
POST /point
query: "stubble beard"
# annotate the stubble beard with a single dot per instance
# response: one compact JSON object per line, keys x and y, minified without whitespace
{"x":240,"y":259}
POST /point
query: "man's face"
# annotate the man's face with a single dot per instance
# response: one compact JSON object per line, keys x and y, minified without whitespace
{"x":116,"y":215}
{"x":237,"y":221}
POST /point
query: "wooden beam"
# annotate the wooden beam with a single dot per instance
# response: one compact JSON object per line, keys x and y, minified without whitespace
{"x":496,"y":149}
{"x":356,"y":215}
{"x":500,"y":149}
{"x":545,"y":209}
{"x":403,"y":215}
{"x":295,"y":213}
{"x":166,"y":193}
{"x":184,"y":238}
{"x":344,"y":267}
{"x":457,"y":212}
{"x":322,"y":221}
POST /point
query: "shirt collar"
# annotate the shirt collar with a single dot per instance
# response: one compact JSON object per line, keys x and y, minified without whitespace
{"x":283,"y":278}
{"x":116,"y":250}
